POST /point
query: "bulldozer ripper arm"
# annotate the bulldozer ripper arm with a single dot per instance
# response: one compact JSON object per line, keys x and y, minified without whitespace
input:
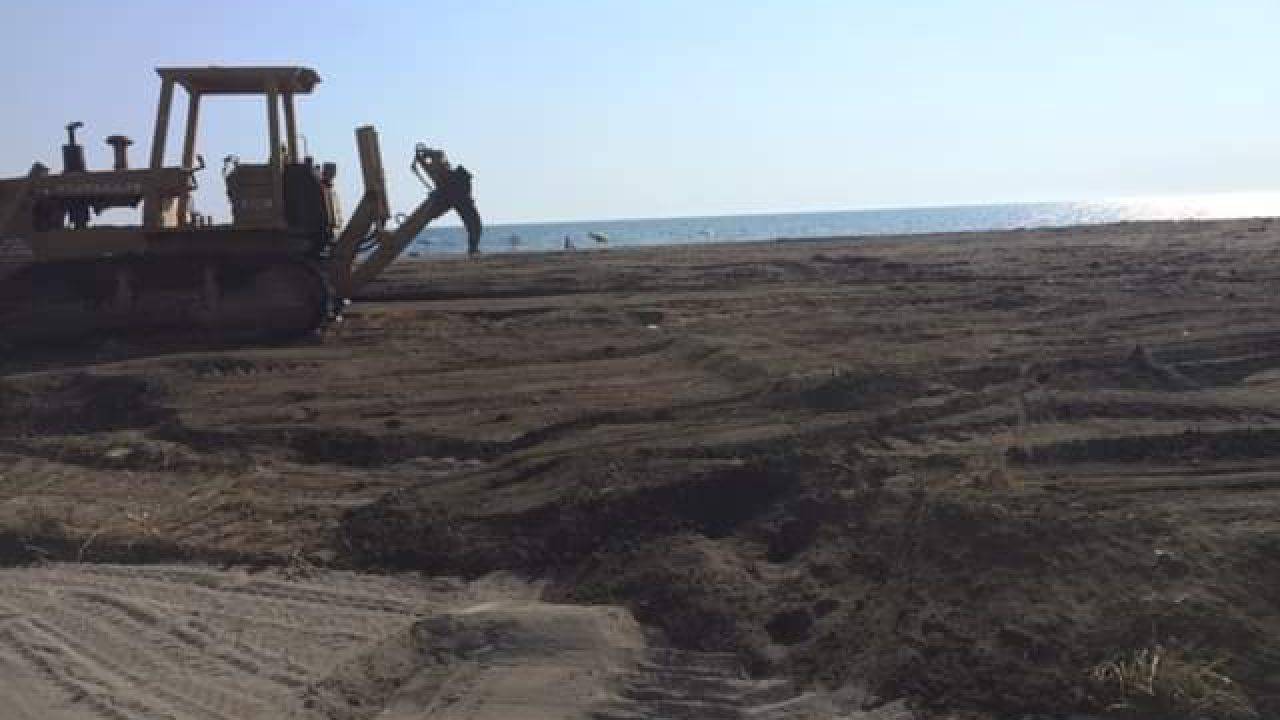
{"x":365,"y":247}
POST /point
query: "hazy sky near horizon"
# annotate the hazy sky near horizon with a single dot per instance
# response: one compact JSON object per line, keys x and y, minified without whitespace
{"x":573,"y":109}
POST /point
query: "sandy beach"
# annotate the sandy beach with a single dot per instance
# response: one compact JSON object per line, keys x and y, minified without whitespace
{"x":975,"y":472}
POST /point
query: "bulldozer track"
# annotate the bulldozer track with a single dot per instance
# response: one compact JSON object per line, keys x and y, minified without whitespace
{"x":239,"y":300}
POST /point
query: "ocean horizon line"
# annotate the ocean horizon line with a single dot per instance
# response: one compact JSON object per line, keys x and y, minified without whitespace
{"x":1114,"y":200}
{"x":750,"y":227}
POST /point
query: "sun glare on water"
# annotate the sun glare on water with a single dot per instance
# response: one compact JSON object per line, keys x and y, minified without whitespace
{"x":1202,"y":206}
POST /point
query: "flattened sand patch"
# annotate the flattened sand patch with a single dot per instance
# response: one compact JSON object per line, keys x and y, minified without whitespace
{"x":106,"y":641}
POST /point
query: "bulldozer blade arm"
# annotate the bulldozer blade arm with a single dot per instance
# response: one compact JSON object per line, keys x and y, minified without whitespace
{"x":355,"y":270}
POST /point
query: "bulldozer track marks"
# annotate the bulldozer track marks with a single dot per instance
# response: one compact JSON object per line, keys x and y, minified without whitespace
{"x":223,"y":366}
{"x":670,"y":683}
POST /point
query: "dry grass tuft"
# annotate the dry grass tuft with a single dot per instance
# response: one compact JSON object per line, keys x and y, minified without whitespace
{"x":1160,"y":682}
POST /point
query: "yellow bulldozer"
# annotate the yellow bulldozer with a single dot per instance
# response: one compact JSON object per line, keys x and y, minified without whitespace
{"x":283,"y":266}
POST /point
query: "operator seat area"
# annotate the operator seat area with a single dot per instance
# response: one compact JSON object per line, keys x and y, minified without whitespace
{"x":249,"y":189}
{"x":310,"y":204}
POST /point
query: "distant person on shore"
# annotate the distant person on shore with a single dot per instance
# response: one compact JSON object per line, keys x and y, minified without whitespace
{"x":452,"y":192}
{"x":568,"y":243}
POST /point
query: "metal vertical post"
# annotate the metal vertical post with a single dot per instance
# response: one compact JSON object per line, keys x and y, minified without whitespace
{"x":162,"y":124}
{"x":277,"y":167}
{"x":189,"y":152}
{"x":291,"y":128}
{"x":153,"y":204}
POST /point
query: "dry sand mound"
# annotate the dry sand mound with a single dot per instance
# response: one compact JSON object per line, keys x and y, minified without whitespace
{"x":490,"y":661}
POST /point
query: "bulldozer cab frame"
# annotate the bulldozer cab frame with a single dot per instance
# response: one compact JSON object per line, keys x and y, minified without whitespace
{"x":279,"y":86}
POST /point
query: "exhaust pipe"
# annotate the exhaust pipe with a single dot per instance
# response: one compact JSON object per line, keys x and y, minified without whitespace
{"x":120,"y":147}
{"x":73,"y":153}
{"x":77,"y":211}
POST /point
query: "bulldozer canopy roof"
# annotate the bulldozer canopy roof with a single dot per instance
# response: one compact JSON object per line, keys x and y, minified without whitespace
{"x":241,"y":80}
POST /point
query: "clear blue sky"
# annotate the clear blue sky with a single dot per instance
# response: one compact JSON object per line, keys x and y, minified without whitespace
{"x":572,"y":109}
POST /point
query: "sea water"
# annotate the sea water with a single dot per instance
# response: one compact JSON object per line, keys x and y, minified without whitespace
{"x":539,"y":237}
